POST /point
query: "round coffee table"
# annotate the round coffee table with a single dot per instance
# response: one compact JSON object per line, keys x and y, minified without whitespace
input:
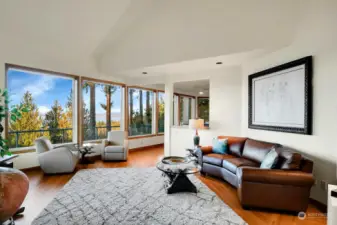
{"x":176,"y":169}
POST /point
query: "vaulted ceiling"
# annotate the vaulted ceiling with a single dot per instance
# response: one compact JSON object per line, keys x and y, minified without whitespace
{"x":129,"y":35}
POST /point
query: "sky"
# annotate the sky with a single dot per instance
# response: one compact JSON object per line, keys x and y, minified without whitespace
{"x":46,"y":89}
{"x":100,"y":98}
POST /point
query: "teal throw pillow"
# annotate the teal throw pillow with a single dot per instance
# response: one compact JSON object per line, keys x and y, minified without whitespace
{"x":220,"y":146}
{"x":270,"y":160}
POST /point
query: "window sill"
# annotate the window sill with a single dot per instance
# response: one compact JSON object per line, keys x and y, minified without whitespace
{"x":29,"y":149}
{"x":141,"y":136}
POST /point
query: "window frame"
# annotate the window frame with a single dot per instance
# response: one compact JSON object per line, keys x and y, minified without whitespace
{"x":76,"y":78}
{"x":78,"y":104}
{"x":197,"y":105}
{"x":178,"y":105}
{"x":81,"y":119}
{"x":157,"y":114}
{"x":155,"y":94}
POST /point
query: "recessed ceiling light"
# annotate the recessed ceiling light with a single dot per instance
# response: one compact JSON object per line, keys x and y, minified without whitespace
{"x":144,"y":73}
{"x":201,"y":93}
{"x":218,"y":63}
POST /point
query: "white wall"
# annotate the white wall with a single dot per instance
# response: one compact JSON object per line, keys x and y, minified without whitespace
{"x":317,"y":36}
{"x":148,"y":141}
{"x":225,"y":109}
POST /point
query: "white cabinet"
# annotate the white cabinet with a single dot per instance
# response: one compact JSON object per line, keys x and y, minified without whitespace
{"x":332,"y":206}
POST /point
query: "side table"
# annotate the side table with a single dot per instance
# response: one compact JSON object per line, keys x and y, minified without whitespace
{"x":85,"y":150}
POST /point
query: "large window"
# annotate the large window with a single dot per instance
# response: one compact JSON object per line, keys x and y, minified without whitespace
{"x":141,"y":113}
{"x":50,"y":100}
{"x":203,"y":109}
{"x":101,"y":109}
{"x":161,"y":111}
{"x":186,"y":109}
{"x":72,"y":109}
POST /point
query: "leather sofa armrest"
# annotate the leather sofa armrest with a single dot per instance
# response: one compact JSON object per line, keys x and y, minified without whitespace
{"x":274,"y":176}
{"x":206,"y":149}
{"x":202,"y":151}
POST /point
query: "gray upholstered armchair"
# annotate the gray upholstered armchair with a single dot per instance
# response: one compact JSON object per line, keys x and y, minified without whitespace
{"x":61,"y":159}
{"x":116,"y":146}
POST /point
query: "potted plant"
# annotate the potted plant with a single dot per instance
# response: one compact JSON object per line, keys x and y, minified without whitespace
{"x":13,"y":183}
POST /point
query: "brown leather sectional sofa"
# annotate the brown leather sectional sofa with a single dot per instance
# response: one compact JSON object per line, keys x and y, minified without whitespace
{"x":287,"y":187}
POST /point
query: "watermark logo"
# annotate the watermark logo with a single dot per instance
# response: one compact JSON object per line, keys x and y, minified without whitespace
{"x":302,"y":215}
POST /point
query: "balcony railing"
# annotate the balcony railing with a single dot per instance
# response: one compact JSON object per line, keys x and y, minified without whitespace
{"x":18,"y":139}
{"x":57,"y":136}
{"x":140,"y":129}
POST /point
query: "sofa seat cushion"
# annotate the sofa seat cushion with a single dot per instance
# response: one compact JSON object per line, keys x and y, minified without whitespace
{"x":216,"y":159}
{"x":232,"y":164}
{"x":114,"y":149}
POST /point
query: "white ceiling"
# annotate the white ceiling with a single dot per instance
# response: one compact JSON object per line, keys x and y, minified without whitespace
{"x":184,"y":30}
{"x":58,"y":29}
{"x":193,"y":87}
{"x":126,"y":37}
{"x":196,"y":65}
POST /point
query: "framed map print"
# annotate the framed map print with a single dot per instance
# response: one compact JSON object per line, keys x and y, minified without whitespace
{"x":280,"y":98}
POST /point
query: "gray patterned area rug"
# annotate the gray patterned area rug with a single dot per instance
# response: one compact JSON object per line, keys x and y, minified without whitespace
{"x":133,"y":196}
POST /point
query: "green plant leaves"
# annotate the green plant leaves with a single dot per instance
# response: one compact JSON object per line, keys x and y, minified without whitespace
{"x":18,"y":115}
{"x":14,"y":110}
{"x":25,"y":109}
{"x":5,"y":93}
{"x":13,"y":117}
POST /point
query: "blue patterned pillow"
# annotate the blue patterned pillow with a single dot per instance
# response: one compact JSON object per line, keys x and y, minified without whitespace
{"x":220,"y":146}
{"x":270,"y":160}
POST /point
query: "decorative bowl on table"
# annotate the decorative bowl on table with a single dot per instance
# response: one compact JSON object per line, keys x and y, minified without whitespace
{"x":173,"y":160}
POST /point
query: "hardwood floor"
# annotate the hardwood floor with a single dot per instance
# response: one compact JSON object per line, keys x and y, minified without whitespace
{"x":43,"y":188}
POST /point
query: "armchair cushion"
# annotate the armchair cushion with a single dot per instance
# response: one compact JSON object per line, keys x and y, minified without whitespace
{"x":60,"y":160}
{"x":114,"y":148}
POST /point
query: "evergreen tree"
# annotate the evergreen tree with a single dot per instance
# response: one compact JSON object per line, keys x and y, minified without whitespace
{"x":90,"y":86}
{"x":52,"y":119}
{"x":86,"y":121}
{"x":109,"y":90}
{"x":29,"y":121}
{"x":66,"y":120}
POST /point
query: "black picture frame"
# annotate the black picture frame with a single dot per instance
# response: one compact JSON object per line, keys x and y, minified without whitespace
{"x":308,"y":73}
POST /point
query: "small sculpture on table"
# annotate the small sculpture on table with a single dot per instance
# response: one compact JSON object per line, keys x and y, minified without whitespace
{"x":85,"y":150}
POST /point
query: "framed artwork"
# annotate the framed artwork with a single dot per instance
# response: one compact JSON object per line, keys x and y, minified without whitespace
{"x":280,"y":98}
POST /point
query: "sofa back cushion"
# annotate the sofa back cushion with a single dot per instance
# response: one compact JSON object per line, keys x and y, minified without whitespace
{"x":235,"y":144}
{"x":257,"y":150}
{"x":288,"y":159}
